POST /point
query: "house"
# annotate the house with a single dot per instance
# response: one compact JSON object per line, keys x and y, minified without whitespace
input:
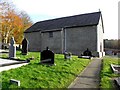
{"x":72,"y":34}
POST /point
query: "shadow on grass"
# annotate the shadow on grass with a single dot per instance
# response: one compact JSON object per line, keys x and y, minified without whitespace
{"x":5,"y":85}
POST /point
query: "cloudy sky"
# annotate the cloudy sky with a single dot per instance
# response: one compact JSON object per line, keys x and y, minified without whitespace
{"x":40,"y":10}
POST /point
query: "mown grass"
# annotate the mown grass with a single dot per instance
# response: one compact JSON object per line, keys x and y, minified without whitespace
{"x":35,"y":75}
{"x":106,"y":73}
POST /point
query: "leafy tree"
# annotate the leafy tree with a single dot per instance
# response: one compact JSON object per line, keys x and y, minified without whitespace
{"x":26,"y":23}
{"x":13,"y":23}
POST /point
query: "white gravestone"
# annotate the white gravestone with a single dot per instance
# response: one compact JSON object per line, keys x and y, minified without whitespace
{"x":12,"y":48}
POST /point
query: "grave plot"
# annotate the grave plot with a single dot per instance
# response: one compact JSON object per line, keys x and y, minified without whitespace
{"x":6,"y":64}
{"x":11,"y":61}
{"x":13,"y":81}
{"x":110,"y":72}
{"x":115,"y":68}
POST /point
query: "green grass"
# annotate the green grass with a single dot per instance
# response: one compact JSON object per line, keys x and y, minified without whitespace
{"x":5,"y":55}
{"x":107,"y":73}
{"x":35,"y":75}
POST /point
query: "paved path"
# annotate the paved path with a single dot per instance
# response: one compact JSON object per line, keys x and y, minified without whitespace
{"x":89,"y":78}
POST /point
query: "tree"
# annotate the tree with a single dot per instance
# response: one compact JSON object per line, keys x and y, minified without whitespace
{"x":13,"y":23}
{"x":26,"y":22}
{"x":112,"y":44}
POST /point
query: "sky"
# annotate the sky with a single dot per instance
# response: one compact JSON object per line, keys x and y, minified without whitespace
{"x":40,"y":10}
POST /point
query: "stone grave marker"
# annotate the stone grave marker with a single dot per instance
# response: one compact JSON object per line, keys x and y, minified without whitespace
{"x":117,"y":82}
{"x":115,"y":68}
{"x":24,"y":46}
{"x":47,"y":57}
{"x":12,"y":48}
{"x":67,"y":55}
{"x":13,"y":81}
{"x":87,"y":53}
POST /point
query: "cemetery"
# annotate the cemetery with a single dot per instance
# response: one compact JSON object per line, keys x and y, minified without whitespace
{"x":63,"y":52}
{"x":12,"y":59}
{"x":49,"y":70}
{"x":43,"y":76}
{"x":44,"y":65}
{"x":58,"y":76}
{"x":44,"y":70}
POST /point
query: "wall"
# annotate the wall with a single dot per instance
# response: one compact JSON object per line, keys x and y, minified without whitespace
{"x":100,"y":42}
{"x":80,"y":38}
{"x":54,"y":43}
{"x":34,"y":41}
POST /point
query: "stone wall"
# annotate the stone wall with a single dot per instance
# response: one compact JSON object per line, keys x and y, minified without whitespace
{"x":80,"y":38}
{"x":75,"y":40}
{"x":54,"y":43}
{"x":34,"y":41}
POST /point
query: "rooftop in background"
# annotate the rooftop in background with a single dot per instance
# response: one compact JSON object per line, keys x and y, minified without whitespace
{"x":64,"y":22}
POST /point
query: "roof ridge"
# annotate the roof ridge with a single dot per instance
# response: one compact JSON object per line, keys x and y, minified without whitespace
{"x":68,"y":16}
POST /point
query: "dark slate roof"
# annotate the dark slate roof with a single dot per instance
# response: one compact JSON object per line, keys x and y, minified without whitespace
{"x":71,"y":21}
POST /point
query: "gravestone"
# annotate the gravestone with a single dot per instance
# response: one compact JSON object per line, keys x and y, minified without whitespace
{"x":47,"y":57}
{"x":12,"y":48}
{"x":24,"y":46}
{"x":17,"y":82}
{"x":115,"y":68}
{"x":19,"y":47}
{"x":117,"y":82}
{"x":67,"y":55}
{"x":87,"y":53}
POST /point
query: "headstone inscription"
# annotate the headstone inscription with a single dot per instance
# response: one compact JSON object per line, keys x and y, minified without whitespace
{"x":12,"y":48}
{"x":47,"y":57}
{"x":24,"y":46}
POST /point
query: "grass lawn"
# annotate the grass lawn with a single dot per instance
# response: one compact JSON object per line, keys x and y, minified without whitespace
{"x":35,"y":75}
{"x":107,"y":73}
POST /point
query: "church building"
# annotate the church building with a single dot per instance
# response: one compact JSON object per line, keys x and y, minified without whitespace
{"x":72,"y":34}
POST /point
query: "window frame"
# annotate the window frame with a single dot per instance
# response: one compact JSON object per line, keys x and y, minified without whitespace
{"x":50,"y":34}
